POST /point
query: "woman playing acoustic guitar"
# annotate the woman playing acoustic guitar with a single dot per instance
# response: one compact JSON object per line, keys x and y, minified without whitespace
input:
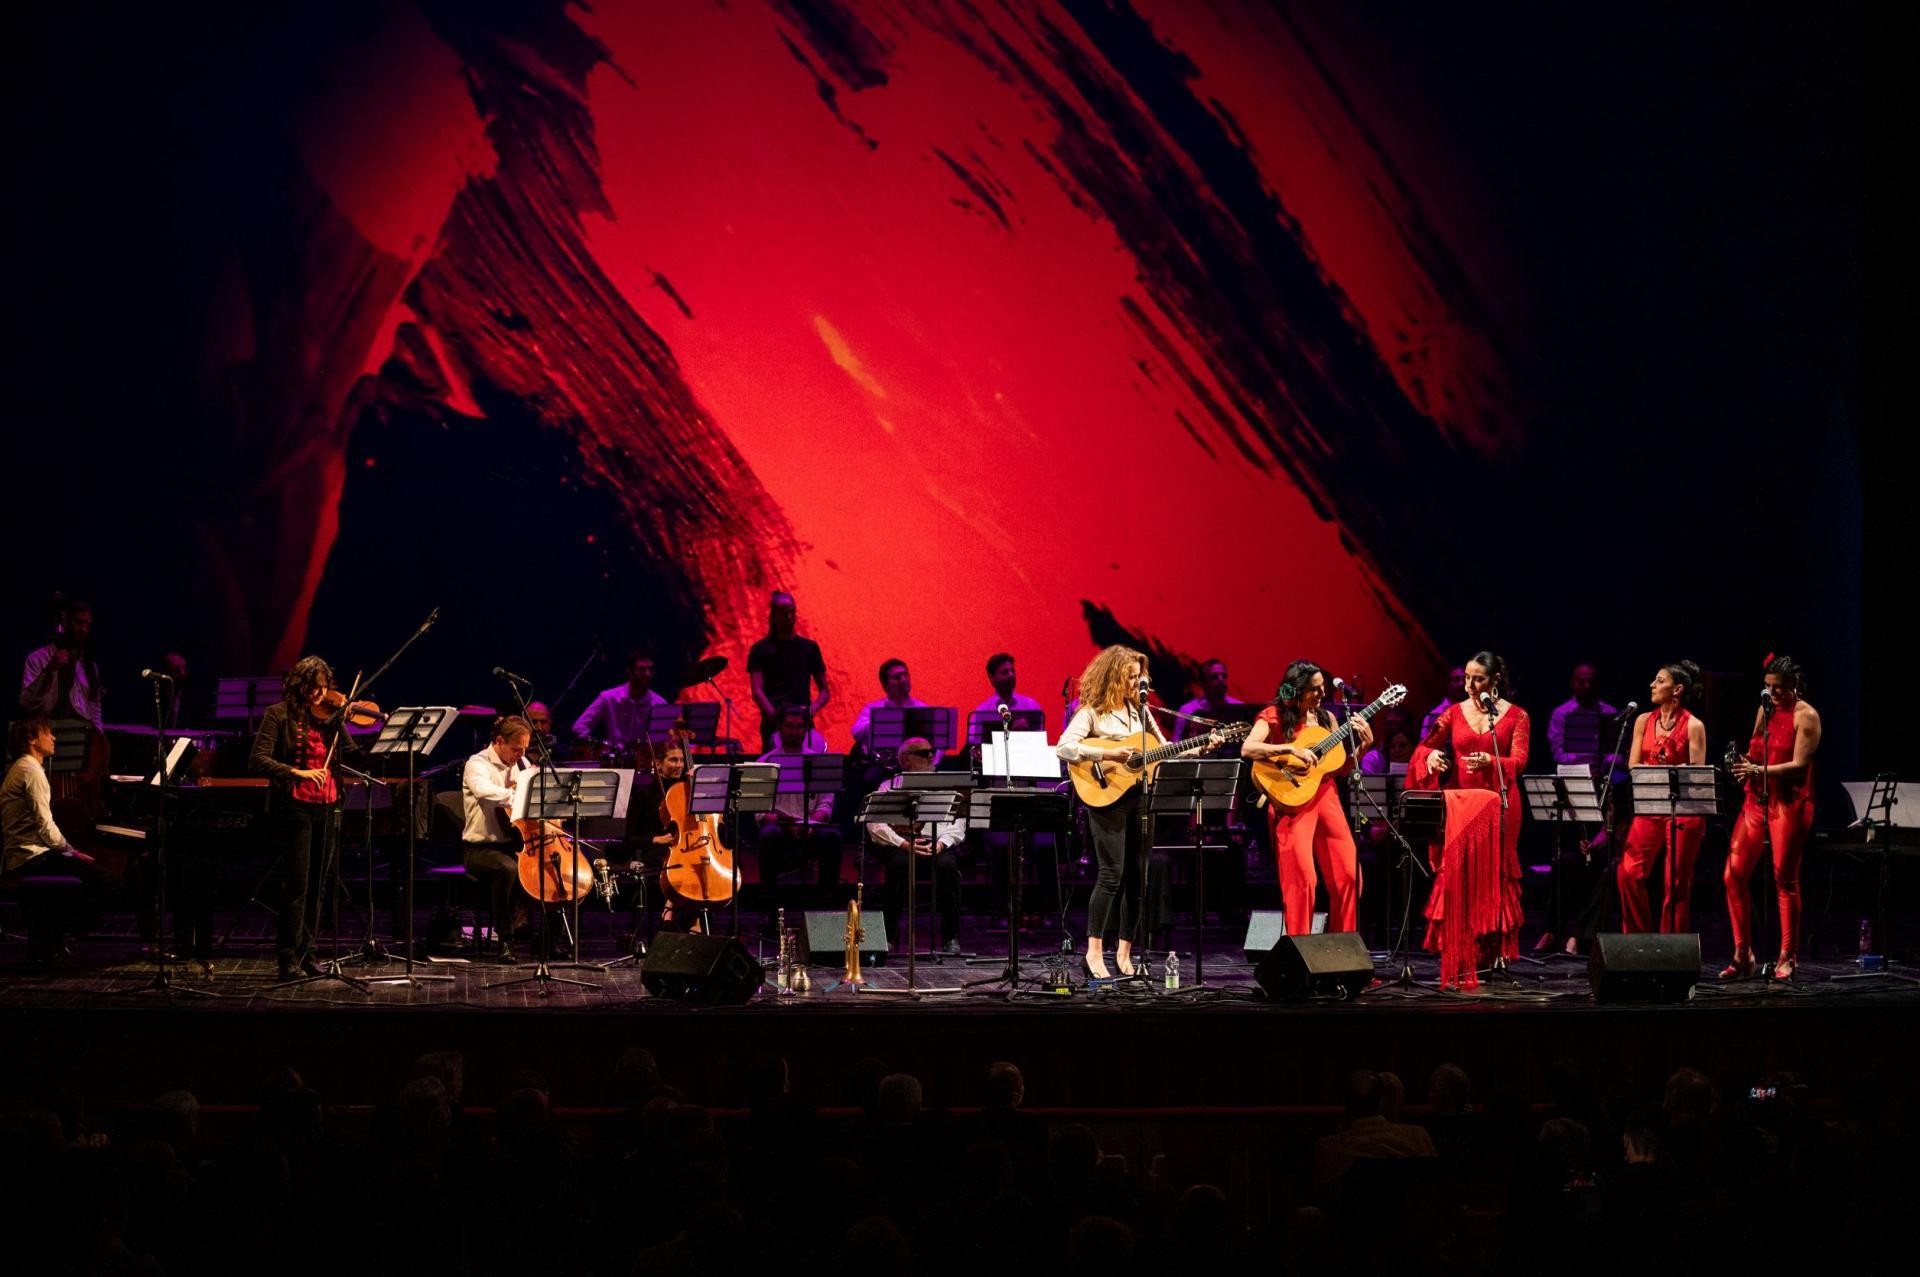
{"x":1314,"y":835}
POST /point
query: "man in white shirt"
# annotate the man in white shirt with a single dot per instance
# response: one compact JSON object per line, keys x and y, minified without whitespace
{"x":489,"y":844}
{"x":936,"y":846}
{"x":897,"y":682}
{"x":1213,"y":698}
{"x":34,"y":845}
{"x":61,"y":680}
{"x":800,"y":824}
{"x":618,"y":715}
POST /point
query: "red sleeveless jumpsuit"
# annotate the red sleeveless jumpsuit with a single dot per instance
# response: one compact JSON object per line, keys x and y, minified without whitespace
{"x":1648,"y":836}
{"x":1786,"y":820}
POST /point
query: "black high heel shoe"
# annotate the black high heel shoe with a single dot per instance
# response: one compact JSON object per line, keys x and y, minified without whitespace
{"x":1093,"y":977}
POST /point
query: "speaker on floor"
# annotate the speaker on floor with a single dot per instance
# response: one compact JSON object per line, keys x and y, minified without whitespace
{"x":1315,"y":966}
{"x":823,"y":941}
{"x":713,"y":971}
{"x":1264,"y":929}
{"x":1644,"y":967}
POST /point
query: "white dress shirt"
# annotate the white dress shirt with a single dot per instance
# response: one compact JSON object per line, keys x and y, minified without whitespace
{"x":83,"y":698}
{"x":945,"y":834}
{"x":863,"y":722}
{"x":617,"y":716}
{"x":26,"y":812}
{"x":487,"y":786}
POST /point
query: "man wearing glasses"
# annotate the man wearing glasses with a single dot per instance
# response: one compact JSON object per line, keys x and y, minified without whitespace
{"x":937,"y":846}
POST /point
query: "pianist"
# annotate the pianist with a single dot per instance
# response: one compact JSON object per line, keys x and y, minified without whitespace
{"x":35,"y":847}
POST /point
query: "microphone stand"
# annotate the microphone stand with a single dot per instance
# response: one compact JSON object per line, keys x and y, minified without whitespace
{"x":162,"y":981}
{"x":1408,"y":864}
{"x":1766,"y":825}
{"x":1143,"y":815}
{"x":1606,"y":797}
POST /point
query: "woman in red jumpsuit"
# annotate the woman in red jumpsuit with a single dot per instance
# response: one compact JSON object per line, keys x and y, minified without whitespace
{"x":1777,"y":770}
{"x":1665,"y":736}
{"x":1316,"y":835}
{"x":1474,"y":910}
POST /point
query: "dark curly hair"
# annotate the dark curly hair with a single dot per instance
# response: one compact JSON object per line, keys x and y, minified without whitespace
{"x":307,"y":674}
{"x":1687,"y":674}
{"x":1286,"y":698}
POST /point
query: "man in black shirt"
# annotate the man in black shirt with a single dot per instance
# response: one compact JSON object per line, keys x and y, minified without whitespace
{"x":785,"y":669}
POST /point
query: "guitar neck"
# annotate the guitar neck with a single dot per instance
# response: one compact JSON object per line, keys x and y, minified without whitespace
{"x":1339,"y":734}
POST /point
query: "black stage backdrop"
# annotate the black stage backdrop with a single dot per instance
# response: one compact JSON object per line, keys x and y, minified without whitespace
{"x":1376,"y":336}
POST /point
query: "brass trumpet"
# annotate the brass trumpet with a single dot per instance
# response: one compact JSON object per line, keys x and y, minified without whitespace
{"x":855,"y":934}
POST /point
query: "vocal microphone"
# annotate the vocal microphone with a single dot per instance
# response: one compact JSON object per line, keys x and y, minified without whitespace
{"x":1766,"y":696}
{"x":510,"y":676}
{"x":1630,"y":710}
{"x":1006,"y":714}
{"x":1487,"y":701}
{"x":1339,"y":684}
{"x":158,"y":676}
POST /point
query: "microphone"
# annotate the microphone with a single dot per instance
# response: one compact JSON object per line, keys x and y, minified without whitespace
{"x":1631,"y":709}
{"x":1006,"y":715}
{"x":158,"y":676}
{"x":1766,"y":695}
{"x":1339,"y":684}
{"x":1487,"y":701}
{"x":510,"y":676}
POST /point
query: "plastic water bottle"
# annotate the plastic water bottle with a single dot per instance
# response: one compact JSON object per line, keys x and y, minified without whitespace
{"x":1173,"y":970}
{"x":1866,"y":941}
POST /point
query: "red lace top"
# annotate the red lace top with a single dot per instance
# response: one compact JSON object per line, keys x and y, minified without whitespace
{"x":313,"y":755}
{"x":1451,"y":731}
{"x":1669,"y":750}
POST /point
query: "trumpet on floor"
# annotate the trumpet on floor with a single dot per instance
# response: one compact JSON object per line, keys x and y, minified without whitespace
{"x":855,"y":935}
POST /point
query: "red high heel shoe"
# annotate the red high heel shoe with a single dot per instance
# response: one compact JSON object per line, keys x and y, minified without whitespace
{"x":1783,"y":969}
{"x":1738,"y":969}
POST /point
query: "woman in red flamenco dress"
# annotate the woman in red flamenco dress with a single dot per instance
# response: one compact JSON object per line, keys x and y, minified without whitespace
{"x":1473,"y":913}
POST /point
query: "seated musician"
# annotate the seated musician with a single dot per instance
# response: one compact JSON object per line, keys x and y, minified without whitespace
{"x":897,"y":682}
{"x":35,"y":847}
{"x":1001,"y":674}
{"x":1213,"y":698}
{"x":489,"y":844}
{"x":618,"y":715}
{"x":937,"y":845}
{"x":650,"y":833}
{"x":540,"y":719}
{"x":800,"y":826}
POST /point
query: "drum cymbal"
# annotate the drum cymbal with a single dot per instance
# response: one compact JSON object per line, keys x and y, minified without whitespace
{"x":705,"y":668}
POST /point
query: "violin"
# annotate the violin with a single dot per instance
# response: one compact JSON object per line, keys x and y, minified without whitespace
{"x":333,"y":703}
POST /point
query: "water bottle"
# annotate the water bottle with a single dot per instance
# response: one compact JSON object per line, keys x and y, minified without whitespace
{"x":1866,"y":942}
{"x":1173,"y":970}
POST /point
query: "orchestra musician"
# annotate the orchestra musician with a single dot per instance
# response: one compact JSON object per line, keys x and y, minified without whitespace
{"x":618,"y":715}
{"x":938,"y":845}
{"x":1110,"y":708}
{"x":1213,"y":698}
{"x":1665,"y":736}
{"x":800,"y":826}
{"x":291,"y":750}
{"x":897,"y":682}
{"x":34,"y":845}
{"x":61,"y":679}
{"x":1777,"y":770}
{"x":785,"y":668}
{"x":1581,"y":683}
{"x":1002,"y":675}
{"x":540,"y":719}
{"x":489,"y":843}
{"x":1480,"y":875}
{"x":1315,"y":835}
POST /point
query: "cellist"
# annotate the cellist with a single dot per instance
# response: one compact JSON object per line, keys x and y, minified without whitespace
{"x":489,"y":844}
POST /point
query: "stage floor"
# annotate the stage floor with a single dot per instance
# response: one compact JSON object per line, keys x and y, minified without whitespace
{"x":94,"y":1020}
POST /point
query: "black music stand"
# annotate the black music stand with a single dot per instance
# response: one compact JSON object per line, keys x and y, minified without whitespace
{"x":1561,"y":801}
{"x":246,"y":697}
{"x":982,"y":723}
{"x":412,"y":730}
{"x":1198,"y":788}
{"x":1581,"y":733}
{"x":550,"y":795}
{"x":1372,"y":796}
{"x":598,"y":793}
{"x":166,"y":768}
{"x":702,"y":720}
{"x":890,"y":726}
{"x":726,"y":790}
{"x":1883,"y":797}
{"x":1675,"y":791}
{"x":911,"y":805}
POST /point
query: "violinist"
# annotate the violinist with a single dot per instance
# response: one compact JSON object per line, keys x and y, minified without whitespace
{"x":489,"y":844}
{"x":297,"y":735}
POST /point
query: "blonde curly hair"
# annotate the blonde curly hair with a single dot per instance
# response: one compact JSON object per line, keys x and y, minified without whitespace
{"x":1103,"y":684}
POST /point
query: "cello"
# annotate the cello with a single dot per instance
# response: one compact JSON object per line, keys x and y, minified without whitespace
{"x":553,"y":868}
{"x":699,"y":872}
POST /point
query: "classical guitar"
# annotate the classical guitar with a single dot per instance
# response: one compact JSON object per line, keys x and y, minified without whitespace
{"x":1103,"y":784}
{"x":1292,"y":782}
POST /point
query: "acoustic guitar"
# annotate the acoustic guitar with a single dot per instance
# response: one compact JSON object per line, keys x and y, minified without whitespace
{"x":1292,"y":782}
{"x":1102,"y":784}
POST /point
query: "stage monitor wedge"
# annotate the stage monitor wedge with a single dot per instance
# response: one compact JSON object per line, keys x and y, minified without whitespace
{"x":1644,"y":968}
{"x":712,"y":971}
{"x":1264,"y":929}
{"x":1315,"y":966}
{"x":823,"y":941}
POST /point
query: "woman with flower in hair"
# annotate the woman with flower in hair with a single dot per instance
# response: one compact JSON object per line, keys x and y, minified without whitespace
{"x":1777,"y":770}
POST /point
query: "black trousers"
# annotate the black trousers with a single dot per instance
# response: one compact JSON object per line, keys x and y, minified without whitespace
{"x":943,"y":867}
{"x":95,"y":882}
{"x":779,"y":847}
{"x":1114,"y":909}
{"x":302,"y":834}
{"x":497,"y":866}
